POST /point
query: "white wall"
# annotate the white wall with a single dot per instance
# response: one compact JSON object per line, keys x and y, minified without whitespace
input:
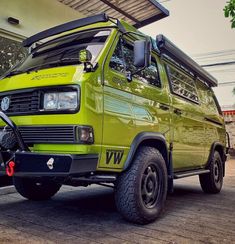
{"x":34,"y":15}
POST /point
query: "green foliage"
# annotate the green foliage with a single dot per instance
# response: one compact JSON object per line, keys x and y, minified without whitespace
{"x":229,"y":11}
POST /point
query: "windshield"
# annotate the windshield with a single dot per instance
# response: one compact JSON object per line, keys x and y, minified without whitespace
{"x":63,"y":51}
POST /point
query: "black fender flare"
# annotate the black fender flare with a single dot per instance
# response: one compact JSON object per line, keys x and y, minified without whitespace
{"x":213,"y":148}
{"x":139,"y":139}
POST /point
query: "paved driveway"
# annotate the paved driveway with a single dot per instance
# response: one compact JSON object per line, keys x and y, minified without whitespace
{"x":88,"y":215}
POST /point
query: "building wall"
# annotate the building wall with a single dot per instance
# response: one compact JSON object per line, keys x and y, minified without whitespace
{"x":34,"y":15}
{"x":229,"y":117}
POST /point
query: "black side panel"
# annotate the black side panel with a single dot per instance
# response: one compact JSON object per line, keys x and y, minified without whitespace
{"x":65,"y":27}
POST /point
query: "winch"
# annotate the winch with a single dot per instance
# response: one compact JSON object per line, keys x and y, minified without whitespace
{"x":7,"y":139}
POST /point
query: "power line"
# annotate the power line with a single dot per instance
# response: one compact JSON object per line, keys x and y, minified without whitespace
{"x":216,"y":58}
{"x":163,"y":1}
{"x":213,"y":53}
{"x":223,"y":71}
{"x":226,"y":83}
{"x":218,"y":64}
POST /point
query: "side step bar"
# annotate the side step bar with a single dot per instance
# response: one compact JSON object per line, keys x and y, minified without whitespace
{"x":96,"y":178}
{"x":180,"y":175}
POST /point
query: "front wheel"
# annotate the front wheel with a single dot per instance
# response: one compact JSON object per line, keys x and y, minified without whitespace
{"x":140,"y":192}
{"x":34,"y":189}
{"x":213,"y":181}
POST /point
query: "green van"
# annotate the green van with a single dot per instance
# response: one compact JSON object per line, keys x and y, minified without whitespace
{"x":96,"y":101}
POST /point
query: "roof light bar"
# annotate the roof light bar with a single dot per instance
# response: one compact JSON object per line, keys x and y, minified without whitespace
{"x":65,"y":27}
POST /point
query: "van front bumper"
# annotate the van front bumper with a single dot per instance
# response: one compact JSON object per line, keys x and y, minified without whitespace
{"x":30,"y":164}
{"x":22,"y":162}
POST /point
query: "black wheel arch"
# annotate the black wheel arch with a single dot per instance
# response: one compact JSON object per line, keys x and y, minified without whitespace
{"x":220,"y":148}
{"x":153,"y":139}
{"x":158,"y":141}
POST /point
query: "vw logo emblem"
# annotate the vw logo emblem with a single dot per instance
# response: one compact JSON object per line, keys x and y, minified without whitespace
{"x":50,"y":163}
{"x":5,"y":103}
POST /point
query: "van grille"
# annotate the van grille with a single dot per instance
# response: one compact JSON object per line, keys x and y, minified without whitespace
{"x":23,"y":102}
{"x":30,"y":101}
{"x":48,"y":134}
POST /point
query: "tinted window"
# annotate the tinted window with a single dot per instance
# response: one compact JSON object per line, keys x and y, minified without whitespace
{"x":182,"y":85}
{"x":64,"y":50}
{"x":124,"y":53}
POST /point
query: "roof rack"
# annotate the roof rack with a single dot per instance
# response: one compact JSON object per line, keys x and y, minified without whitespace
{"x":166,"y":47}
{"x":65,"y":27}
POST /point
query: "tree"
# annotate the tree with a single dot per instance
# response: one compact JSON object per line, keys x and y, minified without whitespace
{"x":229,"y":11}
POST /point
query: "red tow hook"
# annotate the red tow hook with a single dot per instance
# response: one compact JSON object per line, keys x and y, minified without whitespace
{"x":10,"y":169}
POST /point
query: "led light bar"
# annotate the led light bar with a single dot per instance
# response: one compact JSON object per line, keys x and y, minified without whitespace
{"x":65,"y":27}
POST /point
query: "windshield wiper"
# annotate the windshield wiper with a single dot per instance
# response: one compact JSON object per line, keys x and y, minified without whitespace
{"x":62,"y":52}
{"x":14,"y":72}
{"x":38,"y":67}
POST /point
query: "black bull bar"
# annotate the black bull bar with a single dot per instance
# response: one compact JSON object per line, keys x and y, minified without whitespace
{"x":22,"y":162}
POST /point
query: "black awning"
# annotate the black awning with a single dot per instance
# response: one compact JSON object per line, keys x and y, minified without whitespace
{"x":168,"y":48}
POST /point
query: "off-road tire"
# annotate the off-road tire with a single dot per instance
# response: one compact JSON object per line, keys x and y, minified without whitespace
{"x":34,"y":189}
{"x":212,"y":182}
{"x":133,"y":187}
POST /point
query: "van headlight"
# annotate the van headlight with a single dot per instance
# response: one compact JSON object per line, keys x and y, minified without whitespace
{"x":61,"y":100}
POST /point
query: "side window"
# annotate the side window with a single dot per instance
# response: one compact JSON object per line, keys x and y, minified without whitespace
{"x":182,"y":85}
{"x":116,"y":61}
{"x":212,"y":103}
{"x":124,"y":55}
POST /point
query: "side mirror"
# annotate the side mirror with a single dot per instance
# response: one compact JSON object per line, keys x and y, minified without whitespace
{"x":85,"y":56}
{"x":142,"y":53}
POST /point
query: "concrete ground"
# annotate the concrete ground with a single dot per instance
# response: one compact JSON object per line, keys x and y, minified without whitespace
{"x":88,"y":215}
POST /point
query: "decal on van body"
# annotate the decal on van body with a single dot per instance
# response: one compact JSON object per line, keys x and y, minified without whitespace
{"x":114,"y":155}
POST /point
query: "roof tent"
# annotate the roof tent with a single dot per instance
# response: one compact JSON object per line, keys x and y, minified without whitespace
{"x":166,"y":47}
{"x":136,"y":12}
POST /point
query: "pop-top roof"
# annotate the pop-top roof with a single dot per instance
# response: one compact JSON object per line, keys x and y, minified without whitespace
{"x":136,"y":12}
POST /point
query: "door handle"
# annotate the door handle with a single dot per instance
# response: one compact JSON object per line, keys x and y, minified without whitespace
{"x":177,"y":111}
{"x":164,"y":107}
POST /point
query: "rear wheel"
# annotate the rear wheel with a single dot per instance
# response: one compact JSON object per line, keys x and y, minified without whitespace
{"x":34,"y":189}
{"x":141,"y":191}
{"x":213,"y":181}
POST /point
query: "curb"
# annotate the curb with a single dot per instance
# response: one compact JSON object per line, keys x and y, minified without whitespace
{"x":7,"y":190}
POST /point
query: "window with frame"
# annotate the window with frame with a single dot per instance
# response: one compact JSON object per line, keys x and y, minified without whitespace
{"x":182,"y":85}
{"x":124,"y":56}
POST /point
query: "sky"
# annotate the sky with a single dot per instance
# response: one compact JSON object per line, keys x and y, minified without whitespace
{"x":200,"y":29}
